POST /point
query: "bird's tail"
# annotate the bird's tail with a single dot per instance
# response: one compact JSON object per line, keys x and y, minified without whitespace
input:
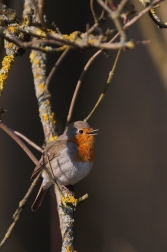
{"x":38,"y":200}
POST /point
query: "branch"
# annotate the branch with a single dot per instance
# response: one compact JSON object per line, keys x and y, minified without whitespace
{"x":111,"y":73}
{"x":22,"y":203}
{"x":11,"y":133}
{"x":7,"y":64}
{"x":18,"y":211}
{"x":93,"y":11}
{"x":67,"y":208}
{"x":29,"y":141}
{"x":38,"y":61}
{"x":40,"y":10}
{"x":56,"y":66}
{"x":140,"y":14}
{"x":73,"y":101}
{"x":82,"y":40}
{"x":114,"y":15}
{"x":105,"y":46}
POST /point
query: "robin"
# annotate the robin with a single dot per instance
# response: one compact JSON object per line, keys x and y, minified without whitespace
{"x":67,"y":160}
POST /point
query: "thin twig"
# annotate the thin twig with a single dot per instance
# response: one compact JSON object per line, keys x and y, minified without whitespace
{"x":102,"y":13}
{"x":73,"y":101}
{"x":56,"y":39}
{"x":83,"y":198}
{"x":132,"y":21}
{"x":11,"y":133}
{"x":28,"y":141}
{"x":140,"y":14}
{"x":111,"y":73}
{"x":23,"y":201}
{"x":56,"y":66}
{"x":40,"y":10}
{"x":31,"y":44}
{"x":135,"y":19}
{"x":115,"y":17}
{"x":143,"y":42}
{"x":93,"y":11}
{"x":17,"y":213}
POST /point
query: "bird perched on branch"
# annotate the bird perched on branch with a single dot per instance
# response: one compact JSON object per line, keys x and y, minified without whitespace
{"x":67,"y":160}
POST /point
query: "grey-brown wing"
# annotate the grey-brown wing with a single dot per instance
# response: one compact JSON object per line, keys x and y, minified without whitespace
{"x":50,"y":153}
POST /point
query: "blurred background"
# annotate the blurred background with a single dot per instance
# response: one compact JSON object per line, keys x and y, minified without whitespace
{"x":127,"y":206}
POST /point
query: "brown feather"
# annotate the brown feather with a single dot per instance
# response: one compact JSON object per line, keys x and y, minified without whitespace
{"x":52,"y":151}
{"x":36,"y":171}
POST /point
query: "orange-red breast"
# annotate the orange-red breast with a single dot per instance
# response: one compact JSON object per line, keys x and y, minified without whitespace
{"x":70,"y":157}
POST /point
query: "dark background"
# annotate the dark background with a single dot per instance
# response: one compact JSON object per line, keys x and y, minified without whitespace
{"x":127,"y":206}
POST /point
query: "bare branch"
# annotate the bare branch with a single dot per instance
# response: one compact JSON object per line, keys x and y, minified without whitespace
{"x":115,"y":17}
{"x":56,"y":66}
{"x":24,"y":200}
{"x":79,"y":85}
{"x":18,"y":211}
{"x":40,"y":10}
{"x":18,"y":141}
{"x":111,"y":73}
{"x":29,"y":141}
{"x":106,"y":46}
{"x":140,"y":14}
{"x":93,"y":11}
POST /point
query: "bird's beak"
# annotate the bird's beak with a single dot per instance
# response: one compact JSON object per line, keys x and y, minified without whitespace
{"x":93,"y":132}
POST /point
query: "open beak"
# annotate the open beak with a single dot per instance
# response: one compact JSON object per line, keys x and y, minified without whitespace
{"x":93,"y":132}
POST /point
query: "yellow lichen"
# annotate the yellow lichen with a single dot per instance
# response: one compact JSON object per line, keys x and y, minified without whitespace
{"x":47,"y":102}
{"x":42,"y":87}
{"x":51,"y":31}
{"x":8,"y":45}
{"x":69,"y":200}
{"x":45,"y":117}
{"x":36,"y":61}
{"x":35,"y":76}
{"x":32,"y":56}
{"x":44,"y":49}
{"x":53,"y":138}
{"x":152,"y":11}
{"x":52,"y":117}
{"x":4,"y":71}
{"x":12,"y":29}
{"x":70,"y":36}
{"x":38,"y":69}
{"x":69,"y":249}
{"x":92,"y":41}
{"x":62,"y":48}
{"x":25,"y":21}
{"x":130,"y":44}
{"x":40,"y":32}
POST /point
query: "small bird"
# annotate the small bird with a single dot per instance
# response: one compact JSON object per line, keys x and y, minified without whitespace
{"x":67,"y":160}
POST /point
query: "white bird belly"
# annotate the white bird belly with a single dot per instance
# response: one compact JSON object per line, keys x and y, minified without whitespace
{"x":66,"y":171}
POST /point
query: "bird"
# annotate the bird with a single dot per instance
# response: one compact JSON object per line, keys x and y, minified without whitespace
{"x":67,"y":160}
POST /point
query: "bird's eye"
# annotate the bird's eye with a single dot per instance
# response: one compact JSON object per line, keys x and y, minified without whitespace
{"x":80,"y":131}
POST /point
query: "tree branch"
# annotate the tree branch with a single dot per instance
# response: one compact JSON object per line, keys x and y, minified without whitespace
{"x":35,"y":146}
{"x":56,"y":66}
{"x":11,"y":133}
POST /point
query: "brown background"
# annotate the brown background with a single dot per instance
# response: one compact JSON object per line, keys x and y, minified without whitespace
{"x":127,"y":208}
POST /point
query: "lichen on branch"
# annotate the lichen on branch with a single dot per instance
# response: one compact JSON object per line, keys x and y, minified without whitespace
{"x":7,"y":64}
